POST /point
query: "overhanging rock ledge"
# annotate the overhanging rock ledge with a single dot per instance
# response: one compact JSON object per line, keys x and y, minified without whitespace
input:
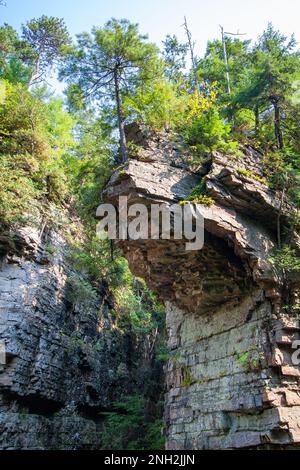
{"x":231,"y":381}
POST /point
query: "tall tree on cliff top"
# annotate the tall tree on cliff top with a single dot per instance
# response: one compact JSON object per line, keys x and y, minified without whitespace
{"x":268,"y":81}
{"x":48,"y":39}
{"x":174,"y":55}
{"x":108,"y":63}
{"x":277,"y":67}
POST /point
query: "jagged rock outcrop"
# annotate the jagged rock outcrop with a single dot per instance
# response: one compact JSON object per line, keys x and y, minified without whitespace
{"x":66,"y":362}
{"x":231,"y":382}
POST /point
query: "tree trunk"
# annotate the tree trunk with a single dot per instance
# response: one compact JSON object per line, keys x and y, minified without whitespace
{"x":120,"y":118}
{"x":226,"y":61}
{"x":193,"y":60}
{"x":277,"y":122}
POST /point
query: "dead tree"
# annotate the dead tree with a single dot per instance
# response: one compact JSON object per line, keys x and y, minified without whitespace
{"x":193,"y":58}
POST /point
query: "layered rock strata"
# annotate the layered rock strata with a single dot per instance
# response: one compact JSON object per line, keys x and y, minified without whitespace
{"x":232,"y":379}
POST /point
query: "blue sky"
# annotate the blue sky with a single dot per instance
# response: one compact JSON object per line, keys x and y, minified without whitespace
{"x":161,"y":17}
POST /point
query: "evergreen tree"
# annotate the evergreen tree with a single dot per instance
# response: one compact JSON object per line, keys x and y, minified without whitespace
{"x":268,"y":81}
{"x":108,"y":63}
{"x":174,"y":55}
{"x":13,"y":51}
{"x":48,"y":38}
{"x":277,"y":66}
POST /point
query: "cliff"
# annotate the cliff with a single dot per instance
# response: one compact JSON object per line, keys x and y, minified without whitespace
{"x":67,"y":362}
{"x":231,"y":381}
{"x":231,"y":320}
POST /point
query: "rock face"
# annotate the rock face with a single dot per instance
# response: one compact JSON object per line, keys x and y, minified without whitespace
{"x":65,"y":361}
{"x":231,"y":380}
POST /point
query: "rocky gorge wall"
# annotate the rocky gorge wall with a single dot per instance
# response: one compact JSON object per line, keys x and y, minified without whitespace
{"x":227,"y":385}
{"x":231,"y":381}
{"x":66,"y":362}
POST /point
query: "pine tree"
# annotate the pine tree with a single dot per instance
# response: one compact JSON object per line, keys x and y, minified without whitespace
{"x":108,"y":63}
{"x":47,"y":37}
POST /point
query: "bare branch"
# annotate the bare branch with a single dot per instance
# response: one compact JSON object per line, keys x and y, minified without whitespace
{"x":224,"y":34}
{"x":191,"y":47}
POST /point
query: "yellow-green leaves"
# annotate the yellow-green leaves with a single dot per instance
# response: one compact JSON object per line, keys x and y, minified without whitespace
{"x":2,"y":91}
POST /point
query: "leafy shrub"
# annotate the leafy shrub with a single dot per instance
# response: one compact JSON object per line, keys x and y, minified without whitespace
{"x":251,"y":174}
{"x":79,"y":289}
{"x":17,"y":191}
{"x":198,"y":196}
{"x":158,"y":105}
{"x":285,"y":259}
{"x":94,"y":257}
{"x":244,"y":122}
{"x":208,"y":132}
{"x":137,"y":306}
{"x":131,"y":428}
{"x":202,"y":199}
{"x":33,"y":138}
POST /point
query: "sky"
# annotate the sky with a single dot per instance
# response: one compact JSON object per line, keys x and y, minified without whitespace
{"x":158,"y":18}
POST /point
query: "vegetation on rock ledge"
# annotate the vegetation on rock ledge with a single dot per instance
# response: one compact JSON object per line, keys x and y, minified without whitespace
{"x":62,"y":151}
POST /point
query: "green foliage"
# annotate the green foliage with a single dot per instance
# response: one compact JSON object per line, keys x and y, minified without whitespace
{"x":244,"y":358}
{"x":188,"y":378}
{"x":282,"y":170}
{"x":131,"y":427}
{"x":17,"y":191}
{"x":12,"y":54}
{"x":174,"y":55}
{"x":202,"y":199}
{"x":108,"y":63}
{"x":90,"y":166}
{"x":250,"y":360}
{"x":157,"y":104}
{"x":244,"y":123}
{"x":212,"y":67}
{"x":34,"y":139}
{"x":94,"y":258}
{"x":22,"y":123}
{"x":285,"y":259}
{"x":22,"y":149}
{"x":47,"y":39}
{"x":79,"y":289}
{"x":252,"y":175}
{"x":59,"y":127}
{"x":198,"y":196}
{"x":137,"y":307}
{"x":163,"y":353}
{"x":263,"y":80}
{"x":50,"y":249}
{"x":208,"y":132}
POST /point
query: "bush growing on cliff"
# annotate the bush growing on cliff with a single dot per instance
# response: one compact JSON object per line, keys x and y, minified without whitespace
{"x":285,"y":259}
{"x":138,"y":308}
{"x":132,"y":427}
{"x":157,"y":104}
{"x":17,"y":191}
{"x":164,"y":105}
{"x":208,"y":132}
{"x":79,"y":289}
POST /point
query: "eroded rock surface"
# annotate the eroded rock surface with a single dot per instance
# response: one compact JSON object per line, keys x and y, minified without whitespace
{"x":65,"y":362}
{"x":231,"y":379}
